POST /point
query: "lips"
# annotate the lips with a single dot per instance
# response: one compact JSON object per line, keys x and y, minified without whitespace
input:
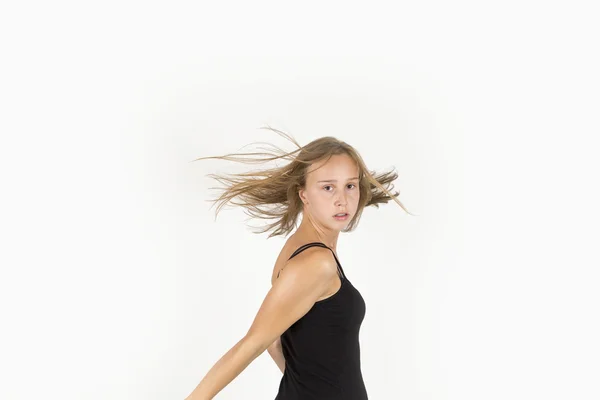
{"x":341,"y":218}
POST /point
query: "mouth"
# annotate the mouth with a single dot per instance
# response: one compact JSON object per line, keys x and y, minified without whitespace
{"x":341,"y":216}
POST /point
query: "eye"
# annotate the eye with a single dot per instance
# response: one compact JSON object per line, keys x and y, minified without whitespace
{"x":326,"y":186}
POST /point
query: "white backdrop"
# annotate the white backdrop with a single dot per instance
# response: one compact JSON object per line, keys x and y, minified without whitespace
{"x":117,"y":281}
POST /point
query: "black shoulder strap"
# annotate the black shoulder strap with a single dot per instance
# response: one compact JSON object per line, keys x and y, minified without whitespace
{"x":306,"y":246}
{"x":319,"y":244}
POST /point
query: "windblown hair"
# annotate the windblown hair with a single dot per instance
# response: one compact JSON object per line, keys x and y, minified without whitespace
{"x":272,"y":194}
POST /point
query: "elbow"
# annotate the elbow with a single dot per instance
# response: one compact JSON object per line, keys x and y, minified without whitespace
{"x":275,"y":346}
{"x":256,"y":344}
{"x":273,"y":349}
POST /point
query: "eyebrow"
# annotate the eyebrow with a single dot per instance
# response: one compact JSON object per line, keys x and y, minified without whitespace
{"x":335,"y":180}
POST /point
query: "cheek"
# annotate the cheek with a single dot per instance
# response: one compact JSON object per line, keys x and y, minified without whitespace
{"x":323,"y":206}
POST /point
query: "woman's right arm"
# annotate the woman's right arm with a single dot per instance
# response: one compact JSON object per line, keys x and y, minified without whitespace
{"x":276,"y":353}
{"x":292,"y":296}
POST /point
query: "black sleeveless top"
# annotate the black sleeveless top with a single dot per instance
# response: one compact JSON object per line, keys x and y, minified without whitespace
{"x":322,"y":350}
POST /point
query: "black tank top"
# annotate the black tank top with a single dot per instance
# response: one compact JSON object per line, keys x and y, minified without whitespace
{"x":322,"y":350}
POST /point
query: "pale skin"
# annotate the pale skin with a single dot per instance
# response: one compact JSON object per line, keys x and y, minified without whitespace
{"x":308,"y":277}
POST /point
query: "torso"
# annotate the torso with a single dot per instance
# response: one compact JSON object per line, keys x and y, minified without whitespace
{"x":322,"y":348}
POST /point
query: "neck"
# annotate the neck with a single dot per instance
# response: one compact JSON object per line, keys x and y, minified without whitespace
{"x":308,"y":231}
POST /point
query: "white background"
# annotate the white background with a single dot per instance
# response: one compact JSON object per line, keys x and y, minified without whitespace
{"x":118,"y":283}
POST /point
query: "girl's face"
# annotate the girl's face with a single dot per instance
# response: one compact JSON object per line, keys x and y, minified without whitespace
{"x":332,"y":188}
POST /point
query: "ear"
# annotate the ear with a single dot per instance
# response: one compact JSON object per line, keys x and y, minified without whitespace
{"x":302,"y":196}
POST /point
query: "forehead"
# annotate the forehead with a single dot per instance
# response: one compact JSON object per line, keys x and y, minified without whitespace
{"x":339,"y":166}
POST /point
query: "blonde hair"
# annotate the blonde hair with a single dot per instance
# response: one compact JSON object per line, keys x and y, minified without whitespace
{"x":272,"y":194}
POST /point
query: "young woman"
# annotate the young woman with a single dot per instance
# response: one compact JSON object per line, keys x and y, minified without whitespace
{"x":310,"y":319}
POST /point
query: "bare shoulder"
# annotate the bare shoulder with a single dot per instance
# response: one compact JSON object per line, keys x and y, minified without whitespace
{"x":303,"y":280}
{"x":311,"y":259}
{"x":311,"y":263}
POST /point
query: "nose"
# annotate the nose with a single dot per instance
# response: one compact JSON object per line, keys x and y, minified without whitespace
{"x":341,"y":200}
